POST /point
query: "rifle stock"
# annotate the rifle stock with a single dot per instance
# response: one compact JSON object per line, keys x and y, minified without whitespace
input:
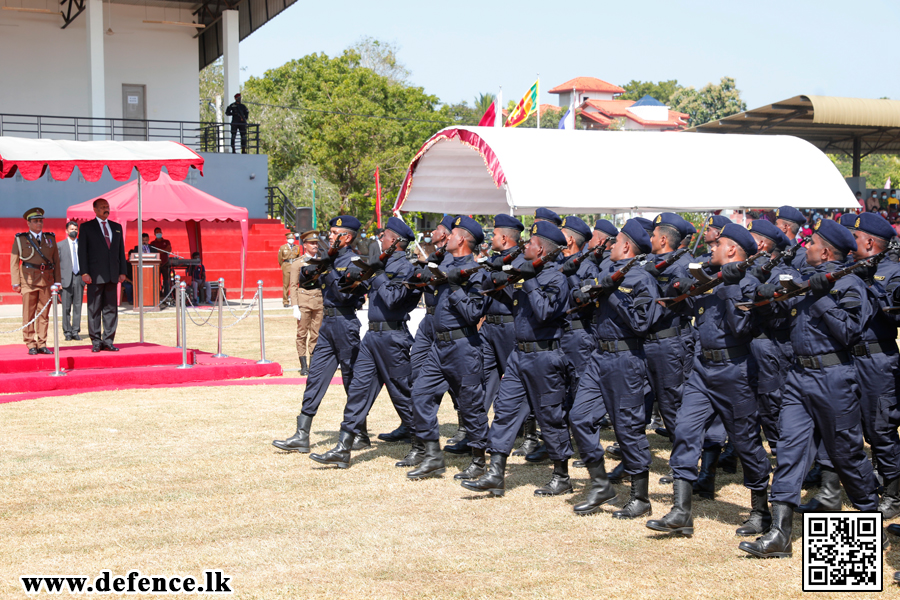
{"x":515,"y":277}
{"x":369,"y":271}
{"x":697,"y":289}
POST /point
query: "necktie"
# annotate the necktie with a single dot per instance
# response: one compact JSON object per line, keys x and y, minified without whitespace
{"x":106,"y":234}
{"x":74,"y":257}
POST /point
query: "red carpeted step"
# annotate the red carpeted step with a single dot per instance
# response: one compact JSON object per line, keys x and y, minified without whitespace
{"x":15,"y":358}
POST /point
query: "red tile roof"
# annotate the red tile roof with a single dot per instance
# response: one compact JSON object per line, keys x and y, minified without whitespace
{"x":545,"y":107}
{"x":610,"y":108}
{"x":587,"y":84}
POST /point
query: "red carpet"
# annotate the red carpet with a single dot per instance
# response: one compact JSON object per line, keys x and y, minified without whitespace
{"x":136,"y":365}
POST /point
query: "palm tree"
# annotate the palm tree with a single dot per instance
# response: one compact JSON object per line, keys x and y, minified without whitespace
{"x":483,"y":102}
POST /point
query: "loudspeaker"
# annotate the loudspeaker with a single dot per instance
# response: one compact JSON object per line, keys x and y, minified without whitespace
{"x":303,"y":220}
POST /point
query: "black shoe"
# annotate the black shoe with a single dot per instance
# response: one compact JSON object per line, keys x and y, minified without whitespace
{"x":828,"y":499}
{"x":287,"y":306}
{"x":432,"y":464}
{"x":679,"y":520}
{"x":68,"y":338}
{"x":459,"y":443}
{"x":662,"y":431}
{"x":604,"y":422}
{"x":760,"y":518}
{"x":668,"y":478}
{"x":299,"y":442}
{"x":494,"y":481}
{"x":45,"y":350}
{"x":539,"y":455}
{"x":304,"y":368}
{"x":475,"y":469}
{"x":617,"y":475}
{"x":361,"y":442}
{"x":813,"y":479}
{"x":339,"y":455}
{"x":614,"y":452}
{"x":890,"y":501}
{"x":639,"y":504}
{"x":705,"y":486}
{"x":76,"y":337}
{"x":729,"y":460}
{"x":110,"y":348}
{"x":401,"y":434}
{"x":34,"y":351}
{"x":894,"y":528}
{"x":600,"y":492}
{"x":531,"y":440}
{"x":96,"y":348}
{"x":776,"y":542}
{"x":559,"y":482}
{"x":415,"y":456}
{"x":579,"y":464}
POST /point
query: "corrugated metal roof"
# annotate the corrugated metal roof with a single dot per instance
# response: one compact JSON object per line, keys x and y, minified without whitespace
{"x":253,"y":14}
{"x":855,"y":111}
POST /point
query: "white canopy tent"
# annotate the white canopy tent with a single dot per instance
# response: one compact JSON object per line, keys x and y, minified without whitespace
{"x":487,"y":170}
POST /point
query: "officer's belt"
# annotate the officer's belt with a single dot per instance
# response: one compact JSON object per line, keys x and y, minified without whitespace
{"x":538,"y":346}
{"x":498,"y":319}
{"x":668,"y":333}
{"x":869,"y":348}
{"x":779,"y":335}
{"x":429,"y":310}
{"x":455,"y":334}
{"x":385,"y":325}
{"x":40,"y":267}
{"x":723,"y":354}
{"x":619,"y":345}
{"x":335,"y":311}
{"x":573,"y":325}
{"x":822,"y":360}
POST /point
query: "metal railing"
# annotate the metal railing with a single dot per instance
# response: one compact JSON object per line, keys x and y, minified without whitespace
{"x":279,"y":206}
{"x":198,"y":135}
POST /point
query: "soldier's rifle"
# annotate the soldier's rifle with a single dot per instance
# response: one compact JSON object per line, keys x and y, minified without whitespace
{"x":505,"y":260}
{"x":617,"y":277}
{"x":596,"y":252}
{"x":515,"y":276}
{"x":368,"y":271}
{"x":323,"y":264}
{"x":701,"y":288}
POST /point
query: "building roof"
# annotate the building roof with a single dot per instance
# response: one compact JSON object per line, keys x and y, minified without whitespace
{"x":545,"y":107}
{"x":610,"y":108}
{"x":607,"y":110}
{"x":648,"y":100}
{"x":252,"y":14}
{"x":587,"y":84}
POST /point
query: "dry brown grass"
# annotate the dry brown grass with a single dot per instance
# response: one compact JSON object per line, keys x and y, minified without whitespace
{"x":175,"y":481}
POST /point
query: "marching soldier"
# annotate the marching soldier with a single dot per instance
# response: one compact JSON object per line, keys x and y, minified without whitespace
{"x":308,"y":298}
{"x":34,"y":268}
{"x":287,"y":254}
{"x":790,"y":220}
{"x":338,"y":342}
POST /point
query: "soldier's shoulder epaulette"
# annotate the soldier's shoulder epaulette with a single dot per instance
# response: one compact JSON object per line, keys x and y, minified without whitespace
{"x":50,"y":233}
{"x":21,"y":234}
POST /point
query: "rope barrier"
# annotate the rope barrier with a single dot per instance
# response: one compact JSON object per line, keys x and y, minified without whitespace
{"x":246,"y":312}
{"x":49,"y":302}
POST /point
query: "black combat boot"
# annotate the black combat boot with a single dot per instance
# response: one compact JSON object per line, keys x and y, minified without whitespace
{"x":617,"y":475}
{"x":401,"y":434}
{"x":813,"y":479}
{"x":539,"y":455}
{"x":600,"y":492}
{"x":339,"y":455}
{"x":668,"y":478}
{"x":476,"y":467}
{"x":705,"y":486}
{"x":828,"y":498}
{"x":613,"y":451}
{"x":776,"y":542}
{"x":890,"y":501}
{"x":415,"y":456}
{"x":760,"y":518}
{"x":729,"y":460}
{"x":639,"y":504}
{"x":299,"y":442}
{"x":432,"y":463}
{"x":361,"y":441}
{"x":531,"y":441}
{"x":304,"y":368}
{"x":494,"y":481}
{"x":680,"y":519}
{"x":459,"y":443}
{"x":559,"y":482}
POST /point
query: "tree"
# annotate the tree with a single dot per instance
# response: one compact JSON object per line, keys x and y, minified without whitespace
{"x":876,"y":168}
{"x":710,"y":103}
{"x":662,"y":91}
{"x":463,"y":114}
{"x":483,"y":102}
{"x":212,"y":84}
{"x":381,"y":58}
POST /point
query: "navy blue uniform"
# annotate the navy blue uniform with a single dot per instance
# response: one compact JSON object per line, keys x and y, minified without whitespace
{"x":454,"y":360}
{"x":616,"y":373}
{"x":538,"y":372}
{"x":578,"y":342}
{"x":498,"y":336}
{"x":384,"y":352}
{"x":722,"y":384}
{"x":822,"y":392}
{"x":338,"y":336}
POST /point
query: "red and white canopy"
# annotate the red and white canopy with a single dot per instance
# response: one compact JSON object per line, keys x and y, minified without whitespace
{"x":31,"y":158}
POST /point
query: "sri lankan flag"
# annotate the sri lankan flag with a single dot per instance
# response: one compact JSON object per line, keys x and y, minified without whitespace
{"x":526,"y":107}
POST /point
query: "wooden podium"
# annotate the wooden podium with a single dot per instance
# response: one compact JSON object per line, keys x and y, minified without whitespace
{"x":151,"y":280}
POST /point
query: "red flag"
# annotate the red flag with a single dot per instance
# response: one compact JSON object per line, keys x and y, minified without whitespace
{"x":377,"y":199}
{"x":487,"y":119}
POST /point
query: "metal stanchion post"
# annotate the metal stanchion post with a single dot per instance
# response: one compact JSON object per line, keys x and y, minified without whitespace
{"x":220,"y":300}
{"x":54,"y":291}
{"x":262,"y":330}
{"x":178,"y":309}
{"x":181,"y":291}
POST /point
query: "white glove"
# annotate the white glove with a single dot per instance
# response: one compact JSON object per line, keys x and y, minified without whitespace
{"x":297,"y":314}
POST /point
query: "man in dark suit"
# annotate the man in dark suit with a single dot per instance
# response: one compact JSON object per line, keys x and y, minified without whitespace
{"x":72,"y":284}
{"x":101,"y":256}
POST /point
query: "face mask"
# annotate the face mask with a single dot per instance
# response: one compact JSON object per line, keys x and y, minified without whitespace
{"x":427,"y":239}
{"x":73,"y":234}
{"x":159,"y":236}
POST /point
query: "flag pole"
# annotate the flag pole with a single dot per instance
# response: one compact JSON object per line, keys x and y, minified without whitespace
{"x":498,"y":117}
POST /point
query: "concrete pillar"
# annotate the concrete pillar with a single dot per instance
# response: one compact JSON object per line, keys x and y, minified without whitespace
{"x":231,"y":62}
{"x":96,"y":72}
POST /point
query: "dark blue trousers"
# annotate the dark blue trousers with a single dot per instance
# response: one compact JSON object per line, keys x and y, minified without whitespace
{"x":824,"y":401}
{"x":338,"y":345}
{"x":497,"y":342}
{"x":616,"y":380}
{"x":422,"y":344}
{"x":773,"y":359}
{"x":666,"y":371}
{"x":383,"y":361}
{"x":880,"y":409}
{"x":723,"y":389}
{"x":578,"y":344}
{"x":534,"y":382}
{"x":456,"y":365}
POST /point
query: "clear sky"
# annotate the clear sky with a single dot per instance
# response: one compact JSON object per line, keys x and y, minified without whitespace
{"x":456,"y":50}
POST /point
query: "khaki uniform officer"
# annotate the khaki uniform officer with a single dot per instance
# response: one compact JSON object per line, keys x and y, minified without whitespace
{"x":287,"y":254}
{"x":308,"y":300}
{"x":34,"y":267}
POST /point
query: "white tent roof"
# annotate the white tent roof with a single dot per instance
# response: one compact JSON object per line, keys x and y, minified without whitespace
{"x":487,"y":170}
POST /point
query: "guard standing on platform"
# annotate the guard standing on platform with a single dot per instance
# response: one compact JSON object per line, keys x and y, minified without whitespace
{"x":384,"y":352}
{"x":822,"y":391}
{"x":287,"y":254}
{"x":308,"y":299}
{"x":538,"y":372}
{"x":790,"y":220}
{"x":239,"y":116}
{"x":616,"y":374}
{"x":721,"y":384}
{"x":455,"y":359}
{"x":34,"y":268}
{"x":338,"y":342}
